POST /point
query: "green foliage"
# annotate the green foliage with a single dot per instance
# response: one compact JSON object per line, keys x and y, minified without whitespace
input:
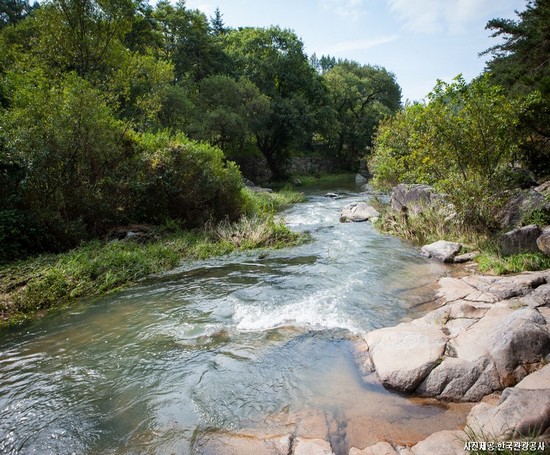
{"x":63,"y":137}
{"x":463,"y":142}
{"x":269,"y":203}
{"x":185,"y":180}
{"x":228,"y":112}
{"x":492,"y":262}
{"x":274,"y":60}
{"x":520,"y":64}
{"x":360,"y":96}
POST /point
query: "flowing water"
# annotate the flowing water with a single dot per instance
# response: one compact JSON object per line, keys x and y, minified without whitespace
{"x":245,"y":343}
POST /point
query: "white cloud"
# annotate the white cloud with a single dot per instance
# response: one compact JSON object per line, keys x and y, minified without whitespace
{"x":347,"y":46}
{"x":431,"y":16}
{"x":351,"y":9}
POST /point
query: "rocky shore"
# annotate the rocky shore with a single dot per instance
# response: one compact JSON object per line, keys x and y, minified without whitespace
{"x":488,"y":341}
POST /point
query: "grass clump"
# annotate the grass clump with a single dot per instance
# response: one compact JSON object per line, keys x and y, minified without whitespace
{"x":324,"y":180}
{"x":499,"y":265}
{"x":267,"y":204}
{"x":479,"y":442}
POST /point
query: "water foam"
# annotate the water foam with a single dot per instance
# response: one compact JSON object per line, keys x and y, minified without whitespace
{"x":319,"y":311}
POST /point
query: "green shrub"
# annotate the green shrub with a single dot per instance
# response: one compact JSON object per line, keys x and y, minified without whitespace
{"x":463,"y":142}
{"x":185,"y":180}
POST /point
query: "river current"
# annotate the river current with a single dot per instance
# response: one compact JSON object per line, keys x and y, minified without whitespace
{"x":253,"y":341}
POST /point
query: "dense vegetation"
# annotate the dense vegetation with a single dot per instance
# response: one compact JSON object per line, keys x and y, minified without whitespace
{"x":101,"y":102}
{"x":478,"y":142}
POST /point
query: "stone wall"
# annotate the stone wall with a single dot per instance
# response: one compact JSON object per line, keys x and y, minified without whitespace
{"x":255,"y":168}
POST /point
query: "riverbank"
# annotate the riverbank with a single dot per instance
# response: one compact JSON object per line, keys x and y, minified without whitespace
{"x":488,"y":342}
{"x":32,"y":287}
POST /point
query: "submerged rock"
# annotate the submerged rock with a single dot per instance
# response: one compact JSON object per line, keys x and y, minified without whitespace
{"x":357,"y":212}
{"x":382,"y":448}
{"x":305,"y":446}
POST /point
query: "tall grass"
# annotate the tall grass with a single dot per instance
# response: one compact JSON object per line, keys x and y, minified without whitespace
{"x":34,"y":285}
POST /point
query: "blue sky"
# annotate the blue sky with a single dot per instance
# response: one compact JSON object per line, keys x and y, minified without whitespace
{"x":420,"y":41}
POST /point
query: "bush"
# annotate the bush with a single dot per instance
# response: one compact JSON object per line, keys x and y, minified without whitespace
{"x":463,"y":142}
{"x":187,"y":181}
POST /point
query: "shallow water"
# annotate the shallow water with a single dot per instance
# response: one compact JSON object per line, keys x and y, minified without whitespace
{"x":242,"y":342}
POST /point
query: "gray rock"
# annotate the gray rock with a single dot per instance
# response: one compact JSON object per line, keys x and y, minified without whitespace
{"x":442,"y":250}
{"x":520,"y":240}
{"x":359,"y":179}
{"x":466,"y":257}
{"x":539,"y":297}
{"x":543,"y":241}
{"x":357,"y":212}
{"x":505,"y":287}
{"x":520,"y":338}
{"x":519,"y":412}
{"x":520,"y":205}
{"x":404,"y":355}
{"x":461,"y":380}
{"x":540,"y":379}
{"x":367,"y":188}
{"x":543,"y":189}
{"x":332,"y":195}
{"x":415,"y":199}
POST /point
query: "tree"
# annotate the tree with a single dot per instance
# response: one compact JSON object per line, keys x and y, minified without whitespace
{"x":228,"y":112}
{"x":274,"y":60}
{"x":217,"y":24}
{"x":82,"y":35}
{"x":464,"y":142}
{"x":521,"y":64}
{"x":361,"y":95}
{"x":187,"y":42}
{"x":14,"y":11}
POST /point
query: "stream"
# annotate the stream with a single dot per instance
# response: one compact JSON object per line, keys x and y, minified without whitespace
{"x":250,"y":343}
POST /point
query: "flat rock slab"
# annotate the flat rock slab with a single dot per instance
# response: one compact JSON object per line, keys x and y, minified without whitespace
{"x":243,"y":444}
{"x":405,"y":354}
{"x":442,"y":250}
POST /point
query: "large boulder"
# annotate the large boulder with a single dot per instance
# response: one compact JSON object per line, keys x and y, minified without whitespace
{"x":543,"y":241}
{"x":519,"y":412}
{"x":520,"y":205}
{"x":520,"y":240}
{"x":442,"y":250}
{"x":405,"y":354}
{"x":358,"y":211}
{"x":415,"y":199}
